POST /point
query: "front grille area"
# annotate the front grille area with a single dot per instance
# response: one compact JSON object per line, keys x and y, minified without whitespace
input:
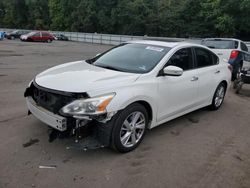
{"x":52,"y":100}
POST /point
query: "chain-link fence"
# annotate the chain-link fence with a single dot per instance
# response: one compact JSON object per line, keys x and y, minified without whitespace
{"x":97,"y":38}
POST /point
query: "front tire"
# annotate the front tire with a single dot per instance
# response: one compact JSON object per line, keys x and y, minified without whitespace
{"x":218,"y":97}
{"x":129,"y":128}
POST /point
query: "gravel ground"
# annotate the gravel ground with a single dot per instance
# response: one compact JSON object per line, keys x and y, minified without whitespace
{"x":201,"y":149}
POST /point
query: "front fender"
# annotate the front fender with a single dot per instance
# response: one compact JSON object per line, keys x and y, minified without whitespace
{"x":127,"y":95}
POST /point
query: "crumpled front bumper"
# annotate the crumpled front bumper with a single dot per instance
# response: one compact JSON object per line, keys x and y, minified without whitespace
{"x":53,"y":120}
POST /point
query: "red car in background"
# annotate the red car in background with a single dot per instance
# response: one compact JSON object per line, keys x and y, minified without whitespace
{"x":38,"y":36}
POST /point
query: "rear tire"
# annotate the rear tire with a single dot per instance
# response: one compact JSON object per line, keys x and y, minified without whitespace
{"x":129,"y":128}
{"x":49,"y":41}
{"x":218,"y":97}
{"x":238,"y":87}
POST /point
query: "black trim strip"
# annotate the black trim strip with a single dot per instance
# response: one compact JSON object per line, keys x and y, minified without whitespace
{"x":70,"y":94}
{"x":28,"y":92}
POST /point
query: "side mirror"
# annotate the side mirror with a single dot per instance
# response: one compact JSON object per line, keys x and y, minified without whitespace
{"x":172,"y":71}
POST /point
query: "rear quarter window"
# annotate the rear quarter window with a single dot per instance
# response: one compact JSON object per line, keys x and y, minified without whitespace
{"x":243,"y":47}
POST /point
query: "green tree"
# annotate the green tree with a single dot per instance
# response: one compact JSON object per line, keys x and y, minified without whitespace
{"x":168,"y":18}
{"x":15,"y":13}
{"x":38,"y":14}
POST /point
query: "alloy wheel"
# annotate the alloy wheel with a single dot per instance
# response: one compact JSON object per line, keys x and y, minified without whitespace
{"x":219,"y":96}
{"x":132,"y":129}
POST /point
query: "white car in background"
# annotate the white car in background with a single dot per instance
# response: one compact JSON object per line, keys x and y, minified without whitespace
{"x":233,"y":51}
{"x":132,"y":87}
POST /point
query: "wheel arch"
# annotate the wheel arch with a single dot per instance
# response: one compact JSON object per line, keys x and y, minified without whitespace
{"x":148,"y":108}
{"x":224,"y":82}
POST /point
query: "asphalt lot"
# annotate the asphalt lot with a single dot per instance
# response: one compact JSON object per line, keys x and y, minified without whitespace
{"x":201,"y":149}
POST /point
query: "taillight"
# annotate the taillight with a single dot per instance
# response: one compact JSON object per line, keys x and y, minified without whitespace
{"x":234,"y":54}
{"x":230,"y":67}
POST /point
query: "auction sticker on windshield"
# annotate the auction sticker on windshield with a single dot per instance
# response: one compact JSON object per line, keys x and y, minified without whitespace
{"x":154,"y":48}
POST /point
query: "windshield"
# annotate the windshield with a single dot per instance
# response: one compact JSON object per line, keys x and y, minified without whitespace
{"x":31,"y":33}
{"x":14,"y":32}
{"x":221,"y":44}
{"x":134,"y":58}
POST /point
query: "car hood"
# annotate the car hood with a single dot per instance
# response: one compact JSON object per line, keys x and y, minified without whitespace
{"x":82,"y":77}
{"x":24,"y":36}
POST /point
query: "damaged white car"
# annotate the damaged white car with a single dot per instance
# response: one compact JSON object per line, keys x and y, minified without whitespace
{"x":116,"y":96}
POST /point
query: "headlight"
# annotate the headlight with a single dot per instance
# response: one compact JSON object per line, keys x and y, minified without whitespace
{"x":92,"y":106}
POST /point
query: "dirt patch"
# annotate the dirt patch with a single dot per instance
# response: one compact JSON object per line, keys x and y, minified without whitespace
{"x":30,"y":143}
{"x":9,"y":55}
{"x":193,"y":120}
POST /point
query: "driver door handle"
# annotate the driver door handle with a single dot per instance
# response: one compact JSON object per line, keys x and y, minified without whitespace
{"x":217,"y":72}
{"x":194,"y":78}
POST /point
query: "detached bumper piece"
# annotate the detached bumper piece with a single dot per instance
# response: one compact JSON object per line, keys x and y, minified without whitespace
{"x":88,"y":143}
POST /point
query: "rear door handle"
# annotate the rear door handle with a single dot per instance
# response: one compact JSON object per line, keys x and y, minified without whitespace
{"x":217,"y":72}
{"x":194,"y":78}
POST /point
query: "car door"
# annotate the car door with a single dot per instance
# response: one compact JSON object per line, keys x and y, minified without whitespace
{"x":36,"y":36}
{"x":208,"y":72}
{"x":45,"y":36}
{"x":178,"y":94}
{"x":41,"y":37}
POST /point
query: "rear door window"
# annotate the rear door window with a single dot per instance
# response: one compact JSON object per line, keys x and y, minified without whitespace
{"x":205,"y":58}
{"x":183,"y":58}
{"x":45,"y":34}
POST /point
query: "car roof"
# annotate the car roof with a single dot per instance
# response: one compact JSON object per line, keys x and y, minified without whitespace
{"x":156,"y":43}
{"x":166,"y":44}
{"x":233,"y":39}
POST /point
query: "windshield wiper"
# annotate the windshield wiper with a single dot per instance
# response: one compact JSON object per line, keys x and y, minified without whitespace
{"x":109,"y":67}
{"x":210,"y":46}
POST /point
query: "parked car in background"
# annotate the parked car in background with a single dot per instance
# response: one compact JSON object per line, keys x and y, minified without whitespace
{"x":2,"y":33}
{"x":135,"y":86}
{"x":234,"y":51}
{"x":61,"y":37}
{"x":15,"y":34}
{"x":38,"y":36}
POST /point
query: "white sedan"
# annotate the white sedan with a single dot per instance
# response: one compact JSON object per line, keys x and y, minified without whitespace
{"x":135,"y":86}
